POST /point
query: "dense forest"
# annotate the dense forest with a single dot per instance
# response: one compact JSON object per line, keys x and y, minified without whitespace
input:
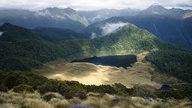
{"x":24,"y":49}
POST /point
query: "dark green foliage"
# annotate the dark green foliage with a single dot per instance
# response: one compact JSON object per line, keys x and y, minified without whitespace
{"x":67,"y":88}
{"x":185,"y":90}
{"x":169,"y":94}
{"x":53,"y":86}
{"x":11,"y":63}
{"x":173,"y":62}
{"x":101,"y":89}
{"x":57,"y":34}
{"x":23,"y":88}
{"x":3,"y":88}
{"x":12,"y":79}
{"x":48,"y":96}
{"x":24,"y":55}
{"x":15,"y":33}
{"x":121,"y":89}
{"x":144,"y":92}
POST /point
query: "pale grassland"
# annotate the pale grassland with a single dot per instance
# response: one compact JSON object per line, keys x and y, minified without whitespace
{"x":35,"y":100}
{"x":141,"y":73}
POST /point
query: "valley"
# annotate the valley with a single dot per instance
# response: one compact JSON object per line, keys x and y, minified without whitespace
{"x":140,"y":73}
{"x":60,"y":57}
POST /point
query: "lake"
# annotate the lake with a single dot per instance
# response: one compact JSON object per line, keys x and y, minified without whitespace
{"x":117,"y":60}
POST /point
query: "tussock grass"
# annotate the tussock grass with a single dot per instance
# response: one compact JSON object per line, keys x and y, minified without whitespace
{"x":94,"y":100}
{"x":49,"y":95}
{"x":62,"y":104}
{"x":36,"y":103}
{"x":7,"y":105}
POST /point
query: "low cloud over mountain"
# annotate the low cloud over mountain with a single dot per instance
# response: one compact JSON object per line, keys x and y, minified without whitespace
{"x":109,"y":28}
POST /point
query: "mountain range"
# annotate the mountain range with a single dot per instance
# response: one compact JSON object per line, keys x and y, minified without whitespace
{"x":51,"y":17}
{"x":99,"y":15}
{"x":171,"y":25}
{"x":25,"y":49}
{"x":148,"y":30}
{"x":57,"y":58}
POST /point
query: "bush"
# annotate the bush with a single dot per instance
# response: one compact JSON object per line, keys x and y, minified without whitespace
{"x":11,"y":81}
{"x":3,"y":88}
{"x":23,"y":88}
{"x":121,"y":89}
{"x":53,"y":86}
{"x":169,"y":94}
{"x":75,"y":91}
{"x":48,"y":96}
{"x":144,"y":92}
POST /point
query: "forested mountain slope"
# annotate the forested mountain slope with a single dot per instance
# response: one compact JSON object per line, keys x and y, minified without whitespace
{"x":25,"y":53}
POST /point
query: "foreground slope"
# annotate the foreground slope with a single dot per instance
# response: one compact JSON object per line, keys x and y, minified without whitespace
{"x":20,"y":90}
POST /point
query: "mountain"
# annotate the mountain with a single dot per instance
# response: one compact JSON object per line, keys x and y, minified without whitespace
{"x":50,"y":17}
{"x":20,"y":44}
{"x":23,"y":48}
{"x":168,"y":25}
{"x":14,"y":33}
{"x":99,"y":15}
{"x":157,"y":9}
{"x":28,"y":53}
{"x":58,"y":34}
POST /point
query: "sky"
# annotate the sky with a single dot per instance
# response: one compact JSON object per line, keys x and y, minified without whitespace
{"x":92,"y":4}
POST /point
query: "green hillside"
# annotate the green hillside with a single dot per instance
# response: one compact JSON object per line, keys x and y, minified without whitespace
{"x":58,"y":34}
{"x":130,"y":39}
{"x":25,"y":51}
{"x":173,"y":62}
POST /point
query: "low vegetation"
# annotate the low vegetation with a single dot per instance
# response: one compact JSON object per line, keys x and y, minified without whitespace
{"x":93,"y":100}
{"x":22,"y":82}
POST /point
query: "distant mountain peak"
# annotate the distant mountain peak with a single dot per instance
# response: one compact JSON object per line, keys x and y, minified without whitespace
{"x":70,"y":10}
{"x":60,"y":10}
{"x":6,"y":26}
{"x":156,"y":6}
{"x":155,"y":9}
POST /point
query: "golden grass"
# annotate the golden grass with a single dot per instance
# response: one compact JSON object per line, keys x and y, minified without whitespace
{"x":139,"y":74}
{"x":8,"y":100}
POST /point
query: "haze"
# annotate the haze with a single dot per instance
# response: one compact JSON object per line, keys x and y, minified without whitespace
{"x":92,"y":4}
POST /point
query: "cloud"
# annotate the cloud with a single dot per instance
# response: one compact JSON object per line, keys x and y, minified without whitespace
{"x":93,"y":35}
{"x":1,"y":33}
{"x":89,"y":4}
{"x":109,"y":28}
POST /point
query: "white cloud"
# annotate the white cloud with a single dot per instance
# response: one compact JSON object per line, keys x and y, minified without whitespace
{"x":93,"y":35}
{"x":1,"y":33}
{"x":89,"y":4}
{"x":109,"y":28}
